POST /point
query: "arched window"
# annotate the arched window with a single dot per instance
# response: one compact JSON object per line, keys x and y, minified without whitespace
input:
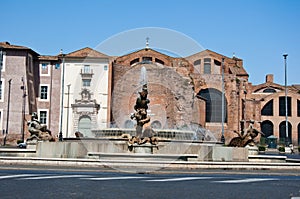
{"x":267,"y":128}
{"x":213,"y":99}
{"x":197,"y":62}
{"x":282,"y":106}
{"x":159,"y":61}
{"x":268,"y":109}
{"x":282,"y":132}
{"x":134,"y":61}
{"x":269,"y":90}
{"x":147,"y":60}
{"x":84,"y":126}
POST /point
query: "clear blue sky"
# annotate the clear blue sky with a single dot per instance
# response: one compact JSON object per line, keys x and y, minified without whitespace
{"x":258,"y":31}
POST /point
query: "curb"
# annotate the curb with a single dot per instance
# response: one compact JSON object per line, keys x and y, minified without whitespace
{"x":146,"y":164}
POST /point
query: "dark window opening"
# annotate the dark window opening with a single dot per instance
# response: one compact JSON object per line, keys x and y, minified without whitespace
{"x":282,"y":106}
{"x":197,"y":62}
{"x":159,"y":61}
{"x":44,"y":92}
{"x":86,"y":82}
{"x":134,"y":61}
{"x":282,"y":132}
{"x":213,"y":99}
{"x":269,"y":90}
{"x":147,"y":60}
{"x":43,"y":117}
{"x":207,"y":66}
{"x":217,"y":63}
{"x":268,"y":109}
{"x":267,"y":128}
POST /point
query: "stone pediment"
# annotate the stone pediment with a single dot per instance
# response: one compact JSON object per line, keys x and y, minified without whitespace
{"x":86,"y":52}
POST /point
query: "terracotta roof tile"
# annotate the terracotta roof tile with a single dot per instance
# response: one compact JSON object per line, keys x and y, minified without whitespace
{"x":48,"y":57}
{"x":7,"y":45}
{"x":86,"y":52}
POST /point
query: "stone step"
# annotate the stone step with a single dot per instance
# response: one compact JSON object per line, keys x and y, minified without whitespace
{"x":184,"y":157}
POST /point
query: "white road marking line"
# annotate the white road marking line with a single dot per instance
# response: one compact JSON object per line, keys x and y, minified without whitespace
{"x":178,"y":179}
{"x":17,"y":176}
{"x":54,"y":177}
{"x":117,"y":178}
{"x":247,"y":180}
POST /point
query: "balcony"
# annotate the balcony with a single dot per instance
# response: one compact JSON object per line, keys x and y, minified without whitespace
{"x":86,"y":73}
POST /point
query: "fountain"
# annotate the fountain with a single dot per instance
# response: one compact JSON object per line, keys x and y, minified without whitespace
{"x":146,"y":137}
{"x":155,"y":123}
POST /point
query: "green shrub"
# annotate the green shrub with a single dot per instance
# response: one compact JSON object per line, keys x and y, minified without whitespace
{"x":261,"y":148}
{"x":19,"y":141}
{"x":281,"y":149}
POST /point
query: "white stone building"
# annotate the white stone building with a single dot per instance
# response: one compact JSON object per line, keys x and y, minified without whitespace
{"x":86,"y":88}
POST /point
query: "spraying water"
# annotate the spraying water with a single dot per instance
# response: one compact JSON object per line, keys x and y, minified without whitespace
{"x":143,"y":77}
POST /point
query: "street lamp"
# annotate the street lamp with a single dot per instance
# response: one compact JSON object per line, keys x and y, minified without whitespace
{"x":223,"y":102}
{"x":286,"y":105}
{"x":68,"y":109}
{"x":7,"y":114}
{"x":23,"y":108}
{"x":60,"y":137}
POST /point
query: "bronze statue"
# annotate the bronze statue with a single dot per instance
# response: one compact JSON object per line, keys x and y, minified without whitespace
{"x":246,"y":139}
{"x":144,"y":133}
{"x":37,"y":130}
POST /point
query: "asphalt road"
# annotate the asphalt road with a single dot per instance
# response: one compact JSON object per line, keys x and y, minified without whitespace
{"x":73,"y":183}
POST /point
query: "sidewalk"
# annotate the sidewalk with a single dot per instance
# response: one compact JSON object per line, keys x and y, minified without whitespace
{"x":140,"y":164}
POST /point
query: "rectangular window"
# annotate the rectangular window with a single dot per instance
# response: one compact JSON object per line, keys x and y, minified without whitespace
{"x":44,"y":68}
{"x":31,"y":90}
{"x":1,"y":59}
{"x":43,"y":117}
{"x":44,"y":92}
{"x":282,"y":106}
{"x":86,"y":82}
{"x":57,"y":66}
{"x":30,"y":63}
{"x":86,"y":69}
{"x":207,"y":66}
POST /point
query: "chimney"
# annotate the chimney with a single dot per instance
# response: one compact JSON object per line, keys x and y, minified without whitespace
{"x":269,"y":78}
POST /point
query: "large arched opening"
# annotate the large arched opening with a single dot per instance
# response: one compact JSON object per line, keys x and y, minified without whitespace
{"x":213,"y":98}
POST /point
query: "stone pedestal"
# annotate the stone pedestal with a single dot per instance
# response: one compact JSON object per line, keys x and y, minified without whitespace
{"x":252,"y":150}
{"x":31,"y":144}
{"x":143,"y":148}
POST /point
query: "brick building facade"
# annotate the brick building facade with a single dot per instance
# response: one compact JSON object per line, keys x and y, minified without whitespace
{"x":189,"y":90}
